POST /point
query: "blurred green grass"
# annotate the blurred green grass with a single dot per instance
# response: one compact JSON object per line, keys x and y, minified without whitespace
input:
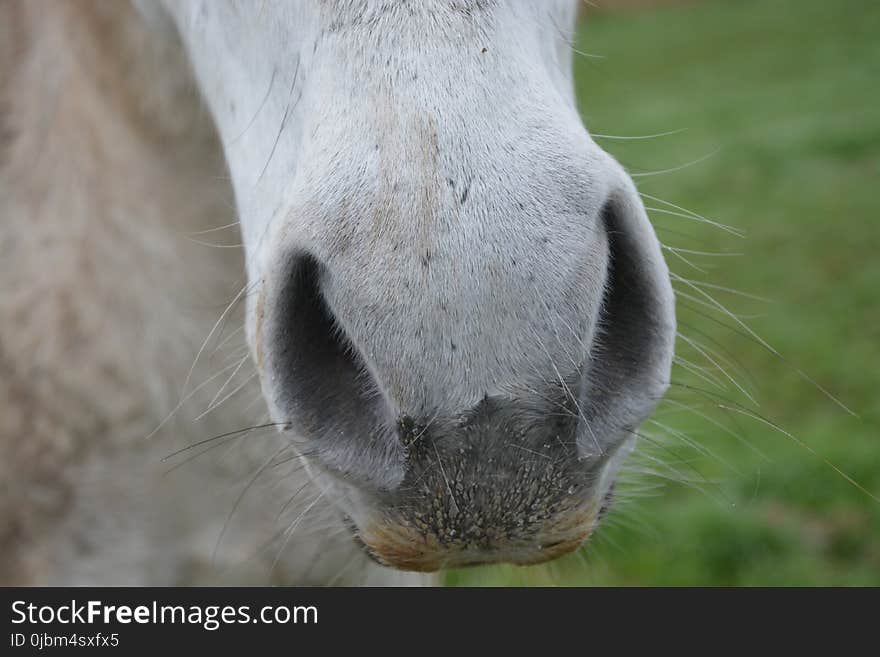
{"x":788,"y":92}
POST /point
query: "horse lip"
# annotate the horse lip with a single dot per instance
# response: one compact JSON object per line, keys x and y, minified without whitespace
{"x":403,"y":546}
{"x":413,"y":558}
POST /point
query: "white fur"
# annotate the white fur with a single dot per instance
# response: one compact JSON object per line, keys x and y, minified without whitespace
{"x":376,"y":136}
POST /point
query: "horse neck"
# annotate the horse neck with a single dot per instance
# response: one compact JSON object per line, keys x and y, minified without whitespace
{"x":108,"y":161}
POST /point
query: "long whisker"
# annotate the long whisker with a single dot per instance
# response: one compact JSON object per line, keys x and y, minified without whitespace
{"x":240,"y":497}
{"x":763,"y":343}
{"x":259,"y":109}
{"x":687,"y":165}
{"x":211,"y":334}
{"x":234,"y":391}
{"x":292,"y":529}
{"x":638,"y":137}
{"x":183,"y":400}
{"x":235,"y":432}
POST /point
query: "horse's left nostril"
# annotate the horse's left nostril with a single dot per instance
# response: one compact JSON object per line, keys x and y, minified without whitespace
{"x":631,"y":356}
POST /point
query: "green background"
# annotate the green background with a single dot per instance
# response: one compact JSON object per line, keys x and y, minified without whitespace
{"x":783,"y":96}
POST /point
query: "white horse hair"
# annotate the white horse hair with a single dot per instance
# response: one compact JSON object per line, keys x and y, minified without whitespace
{"x":455,"y":311}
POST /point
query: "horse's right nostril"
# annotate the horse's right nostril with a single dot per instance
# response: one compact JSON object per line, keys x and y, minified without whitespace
{"x":313,"y":361}
{"x":320,"y":383}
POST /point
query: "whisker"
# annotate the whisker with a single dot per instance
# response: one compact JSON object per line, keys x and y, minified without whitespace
{"x":639,"y":137}
{"x":283,"y":122}
{"x":766,"y":345}
{"x":717,"y":424}
{"x":721,"y":353}
{"x":214,"y":230}
{"x":183,"y":400}
{"x":227,"y":339}
{"x":678,"y":255}
{"x":829,"y":463}
{"x":226,"y":383}
{"x":259,"y":109}
{"x":730,"y":290}
{"x":210,"y":335}
{"x":698,"y":372}
{"x":292,"y":529}
{"x":212,"y":244}
{"x":245,"y":430}
{"x":702,"y":449}
{"x":240,"y":497}
{"x":680,"y":167}
{"x":236,"y":390}
{"x":706,"y":355}
{"x":708,"y":254}
{"x":684,"y":213}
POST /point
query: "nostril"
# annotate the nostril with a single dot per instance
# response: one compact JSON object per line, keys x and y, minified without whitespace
{"x":320,"y":382}
{"x":631,"y":317}
{"x":632,"y":353}
{"x":314,"y":361}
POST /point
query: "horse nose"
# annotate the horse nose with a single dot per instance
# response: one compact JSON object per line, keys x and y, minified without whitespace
{"x":473,"y":420}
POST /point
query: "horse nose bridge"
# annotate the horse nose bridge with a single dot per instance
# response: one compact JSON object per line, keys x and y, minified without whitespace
{"x":447,"y":308}
{"x":492,"y":298}
{"x":440,"y":346}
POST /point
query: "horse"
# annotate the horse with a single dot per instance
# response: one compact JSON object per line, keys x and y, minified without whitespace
{"x":366,"y":247}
